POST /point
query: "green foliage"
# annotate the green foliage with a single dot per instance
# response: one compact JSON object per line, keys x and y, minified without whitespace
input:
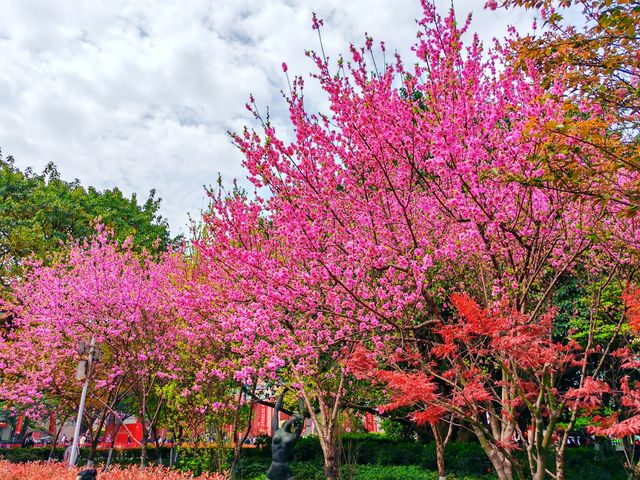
{"x":378,"y":458}
{"x":381,"y":453}
{"x":129,"y":456}
{"x":372,"y":449}
{"x":40,"y":211}
{"x":607,"y":313}
{"x":586,"y":463}
{"x":569,"y":299}
{"x":398,"y":430}
{"x":199,"y":460}
{"x":18,"y":455}
{"x":252,"y":467}
{"x":371,"y":472}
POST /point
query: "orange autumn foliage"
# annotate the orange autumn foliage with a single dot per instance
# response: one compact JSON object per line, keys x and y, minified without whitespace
{"x":59,"y":471}
{"x":631,"y":297}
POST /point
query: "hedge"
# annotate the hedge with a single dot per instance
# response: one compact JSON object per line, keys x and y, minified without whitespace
{"x":462,"y":459}
{"x":130,"y":456}
{"x":361,"y":450}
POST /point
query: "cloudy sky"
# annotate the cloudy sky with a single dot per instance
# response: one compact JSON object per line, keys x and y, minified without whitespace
{"x":139,"y":94}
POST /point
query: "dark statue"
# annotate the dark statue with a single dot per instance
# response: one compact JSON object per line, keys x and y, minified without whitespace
{"x":282,"y":443}
{"x":90,"y":474}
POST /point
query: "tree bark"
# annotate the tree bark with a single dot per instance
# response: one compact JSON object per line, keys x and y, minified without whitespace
{"x":560,"y":459}
{"x":331,"y":463}
{"x":239,"y":442}
{"x":54,"y":442}
{"x":442,"y":475}
{"x":94,"y":440}
{"x":154,"y":433}
{"x":118,"y":421}
{"x":501,"y":464}
{"x":441,"y":442}
{"x":327,"y":429}
{"x":143,"y":422}
{"x":109,"y":457}
{"x":143,"y":449}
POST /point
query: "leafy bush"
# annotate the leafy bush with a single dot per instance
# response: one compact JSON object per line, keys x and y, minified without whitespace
{"x":371,"y":472}
{"x":251,"y":468}
{"x":129,"y":456}
{"x":308,"y":470}
{"x":586,"y":463}
{"x":30,"y":454}
{"x":359,"y":450}
{"x":464,"y":458}
{"x":204,"y":459}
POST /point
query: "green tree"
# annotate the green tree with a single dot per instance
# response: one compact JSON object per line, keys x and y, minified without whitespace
{"x":40,"y":212}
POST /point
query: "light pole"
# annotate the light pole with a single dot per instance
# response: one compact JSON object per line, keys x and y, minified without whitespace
{"x":84,"y":371}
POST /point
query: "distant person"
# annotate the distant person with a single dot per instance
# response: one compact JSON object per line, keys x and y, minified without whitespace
{"x":83,"y":440}
{"x":28,"y":440}
{"x":67,"y":454}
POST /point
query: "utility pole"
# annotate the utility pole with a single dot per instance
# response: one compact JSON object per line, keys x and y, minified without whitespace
{"x":84,"y":371}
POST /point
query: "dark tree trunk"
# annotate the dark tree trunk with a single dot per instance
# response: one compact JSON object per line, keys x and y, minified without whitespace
{"x":154,"y":433}
{"x":331,"y":464}
{"x":94,"y":440}
{"x":113,"y":443}
{"x":54,"y":442}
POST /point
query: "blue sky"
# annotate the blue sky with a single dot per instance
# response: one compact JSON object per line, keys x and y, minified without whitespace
{"x":139,"y":94}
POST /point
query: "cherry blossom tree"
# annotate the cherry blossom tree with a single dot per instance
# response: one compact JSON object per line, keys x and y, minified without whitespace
{"x":408,"y":188}
{"x":101,"y":290}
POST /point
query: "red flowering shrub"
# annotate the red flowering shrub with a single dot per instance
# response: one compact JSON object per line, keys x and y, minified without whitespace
{"x":59,"y":471}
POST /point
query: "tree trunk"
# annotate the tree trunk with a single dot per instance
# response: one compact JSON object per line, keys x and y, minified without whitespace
{"x":143,"y":423}
{"x":328,"y":436}
{"x":52,"y":450}
{"x":331,"y":464}
{"x":143,"y":449}
{"x":54,"y":443}
{"x":501,"y":464}
{"x":143,"y":440}
{"x":109,"y":457}
{"x":94,"y":440}
{"x":440,"y":445}
{"x":157,"y":443}
{"x":239,"y":442}
{"x":560,"y":460}
{"x":327,"y":429}
{"x":442,"y":474}
{"x":173,"y":453}
{"x":118,"y":423}
{"x":327,"y":425}
{"x":540,"y":467}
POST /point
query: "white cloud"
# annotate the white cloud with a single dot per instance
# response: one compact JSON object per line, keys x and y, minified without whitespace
{"x":139,"y":94}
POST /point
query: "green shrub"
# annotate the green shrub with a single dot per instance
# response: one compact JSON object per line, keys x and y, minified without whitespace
{"x":363,"y":455}
{"x":463,"y":458}
{"x":127,"y":456}
{"x":36,"y":454}
{"x":200,"y":460}
{"x":308,"y":470}
{"x":373,"y":472}
{"x":585,"y":463}
{"x":252,"y":468}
